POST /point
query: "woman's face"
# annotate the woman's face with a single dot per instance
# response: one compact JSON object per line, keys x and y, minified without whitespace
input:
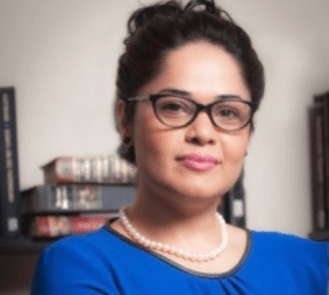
{"x":204,"y":72}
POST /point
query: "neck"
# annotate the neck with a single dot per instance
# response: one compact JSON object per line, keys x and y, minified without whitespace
{"x":173,"y":218}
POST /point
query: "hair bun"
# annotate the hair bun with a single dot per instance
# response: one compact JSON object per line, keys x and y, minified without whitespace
{"x":210,"y":7}
{"x":143,"y":15}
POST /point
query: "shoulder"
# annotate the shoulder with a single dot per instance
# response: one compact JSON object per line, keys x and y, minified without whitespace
{"x":104,"y":241}
{"x":91,"y":239}
{"x":75,"y":246}
{"x":75,"y":263}
{"x":290,"y":250}
{"x":286,"y":240}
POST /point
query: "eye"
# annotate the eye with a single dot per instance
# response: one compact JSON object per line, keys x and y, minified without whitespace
{"x":231,"y":111}
{"x":174,"y":106}
{"x":228,"y":113}
{"x":171,"y":107}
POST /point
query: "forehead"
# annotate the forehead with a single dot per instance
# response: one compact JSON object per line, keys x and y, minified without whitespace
{"x":202,"y":69}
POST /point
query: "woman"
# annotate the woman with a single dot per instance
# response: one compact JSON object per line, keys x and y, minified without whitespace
{"x":188,"y":84}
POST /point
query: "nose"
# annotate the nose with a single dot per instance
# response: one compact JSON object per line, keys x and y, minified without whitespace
{"x":201,"y":131}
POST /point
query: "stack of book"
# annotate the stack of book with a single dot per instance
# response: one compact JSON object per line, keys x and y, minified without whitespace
{"x":80,"y":194}
{"x":318,"y":115}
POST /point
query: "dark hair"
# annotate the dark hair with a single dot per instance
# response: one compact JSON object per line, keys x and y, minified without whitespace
{"x":154,"y":30}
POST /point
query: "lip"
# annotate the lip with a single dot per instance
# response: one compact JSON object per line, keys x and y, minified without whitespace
{"x":199,"y":162}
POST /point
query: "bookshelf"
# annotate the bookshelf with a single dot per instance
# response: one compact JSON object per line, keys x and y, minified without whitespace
{"x":322,"y":235}
{"x":22,"y":244}
{"x":121,"y":194}
{"x":318,"y":121}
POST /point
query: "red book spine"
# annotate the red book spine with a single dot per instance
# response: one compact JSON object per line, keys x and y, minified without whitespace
{"x":56,"y":226}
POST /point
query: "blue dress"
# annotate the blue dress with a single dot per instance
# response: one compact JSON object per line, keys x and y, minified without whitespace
{"x":105,"y":262}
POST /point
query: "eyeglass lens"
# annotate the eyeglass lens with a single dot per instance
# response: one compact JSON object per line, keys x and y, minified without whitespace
{"x":176,"y":112}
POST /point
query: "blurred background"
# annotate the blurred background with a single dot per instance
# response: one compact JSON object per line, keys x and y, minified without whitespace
{"x":61,"y":57}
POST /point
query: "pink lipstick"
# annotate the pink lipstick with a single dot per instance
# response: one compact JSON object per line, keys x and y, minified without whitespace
{"x":199,"y":162}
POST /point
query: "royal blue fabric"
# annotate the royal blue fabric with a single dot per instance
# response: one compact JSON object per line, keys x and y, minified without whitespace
{"x":104,"y":262}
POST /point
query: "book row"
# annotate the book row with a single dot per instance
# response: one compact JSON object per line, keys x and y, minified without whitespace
{"x":103,"y":170}
{"x":319,"y":153}
{"x":54,"y":226}
{"x":53,"y":199}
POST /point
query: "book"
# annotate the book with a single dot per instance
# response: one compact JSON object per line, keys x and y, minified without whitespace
{"x":60,"y":199}
{"x":9,"y":178}
{"x":316,"y":132}
{"x":52,"y":226}
{"x":234,"y":204}
{"x":102,"y":170}
{"x":323,"y":101}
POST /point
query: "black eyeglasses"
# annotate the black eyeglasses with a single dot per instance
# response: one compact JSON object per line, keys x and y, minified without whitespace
{"x":229,"y":114}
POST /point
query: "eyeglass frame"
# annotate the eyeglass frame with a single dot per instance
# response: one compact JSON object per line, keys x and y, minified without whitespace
{"x":199,"y":107}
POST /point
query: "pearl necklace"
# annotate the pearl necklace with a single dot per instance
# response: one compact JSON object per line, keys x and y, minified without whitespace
{"x":173,"y":250}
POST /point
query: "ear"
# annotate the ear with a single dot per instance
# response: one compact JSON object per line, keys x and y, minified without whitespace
{"x":124,"y":127}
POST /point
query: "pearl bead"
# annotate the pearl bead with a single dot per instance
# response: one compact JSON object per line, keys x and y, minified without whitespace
{"x":147,"y":243}
{"x":180,"y":252}
{"x":173,"y":252}
{"x":152,"y":244}
{"x":166,"y":248}
{"x":142,"y":240}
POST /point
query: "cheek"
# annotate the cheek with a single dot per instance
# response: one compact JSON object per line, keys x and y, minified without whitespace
{"x":142,"y":136}
{"x":151,"y":138}
{"x":235,"y":146}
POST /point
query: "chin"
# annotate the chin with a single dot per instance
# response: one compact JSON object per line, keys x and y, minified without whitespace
{"x":197,"y":189}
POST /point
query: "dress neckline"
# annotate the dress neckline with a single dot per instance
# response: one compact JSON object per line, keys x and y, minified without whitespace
{"x":179,"y":267}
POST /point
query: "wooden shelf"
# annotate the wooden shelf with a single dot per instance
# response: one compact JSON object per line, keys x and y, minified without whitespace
{"x":20,"y":244}
{"x":322,"y":235}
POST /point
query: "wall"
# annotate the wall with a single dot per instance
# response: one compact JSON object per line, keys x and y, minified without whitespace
{"x":293,"y":42}
{"x":61,"y":56}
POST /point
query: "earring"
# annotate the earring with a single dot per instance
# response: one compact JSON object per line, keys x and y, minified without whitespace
{"x":125,"y":146}
{"x":126,"y":140}
{"x":246,"y":154}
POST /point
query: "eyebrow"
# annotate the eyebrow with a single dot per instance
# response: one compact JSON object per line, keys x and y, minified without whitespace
{"x":184,"y":93}
{"x":176,"y":91}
